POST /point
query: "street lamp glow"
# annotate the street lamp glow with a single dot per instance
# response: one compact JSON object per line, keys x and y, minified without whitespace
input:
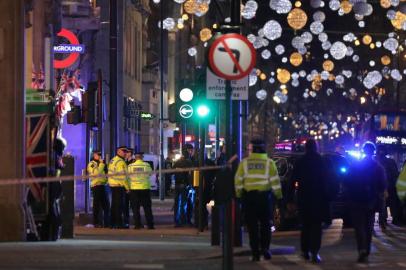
{"x":203,"y":110}
{"x":186,"y":95}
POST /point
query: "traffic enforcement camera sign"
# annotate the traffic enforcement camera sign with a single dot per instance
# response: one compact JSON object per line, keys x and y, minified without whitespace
{"x":232,"y":57}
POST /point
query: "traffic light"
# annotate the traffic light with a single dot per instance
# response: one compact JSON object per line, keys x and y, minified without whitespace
{"x":202,"y":110}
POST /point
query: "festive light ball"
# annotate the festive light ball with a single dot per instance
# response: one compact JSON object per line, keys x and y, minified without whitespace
{"x":385,"y":3}
{"x":338,"y":50}
{"x":283,"y":76}
{"x":296,"y":59}
{"x":399,"y":22}
{"x":249,"y":10}
{"x":319,"y":16}
{"x":190,"y":6}
{"x":316,"y":27}
{"x":297,"y":18}
{"x":385,"y":60}
{"x":205,"y":34}
{"x":367,"y":39}
{"x":261,"y":94}
{"x":346,"y":6}
{"x":202,"y":9}
{"x":281,"y":6}
{"x":328,"y":65}
{"x":192,"y":51}
{"x":266,"y":54}
{"x":272,"y":30}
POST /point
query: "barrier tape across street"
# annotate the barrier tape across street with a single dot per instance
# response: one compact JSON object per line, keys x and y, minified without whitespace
{"x":23,"y":181}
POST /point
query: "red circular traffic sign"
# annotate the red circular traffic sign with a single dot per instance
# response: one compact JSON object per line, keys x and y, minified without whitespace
{"x":71,"y":59}
{"x":232,"y":56}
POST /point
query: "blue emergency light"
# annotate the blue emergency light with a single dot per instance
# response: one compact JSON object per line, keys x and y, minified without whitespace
{"x":343,"y":170}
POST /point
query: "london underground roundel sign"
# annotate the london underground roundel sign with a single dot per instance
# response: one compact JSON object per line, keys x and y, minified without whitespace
{"x":73,"y":49}
{"x":232,"y":56}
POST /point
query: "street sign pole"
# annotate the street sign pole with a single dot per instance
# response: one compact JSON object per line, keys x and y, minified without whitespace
{"x":231,"y":57}
{"x":228,"y":224}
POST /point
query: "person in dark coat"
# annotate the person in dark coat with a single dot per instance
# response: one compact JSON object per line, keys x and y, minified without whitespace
{"x":392,"y":200}
{"x":182,"y":181}
{"x":365,"y":186}
{"x":310,"y":174}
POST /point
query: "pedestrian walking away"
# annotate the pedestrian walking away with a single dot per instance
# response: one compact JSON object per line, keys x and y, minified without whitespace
{"x":118,"y":185}
{"x":365,"y":187}
{"x":390,"y":198}
{"x":97,"y":170}
{"x":140,"y":191}
{"x":401,"y":194}
{"x":310,"y":176}
{"x":255,"y":180}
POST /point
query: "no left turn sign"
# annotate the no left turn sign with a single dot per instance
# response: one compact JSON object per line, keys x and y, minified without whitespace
{"x":232,"y":56}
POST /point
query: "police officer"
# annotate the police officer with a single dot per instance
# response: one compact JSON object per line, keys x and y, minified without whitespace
{"x":126,"y":203}
{"x":118,"y":185}
{"x":366,"y":184}
{"x":401,"y":193}
{"x":255,"y":179}
{"x":97,"y":169}
{"x":310,"y":175}
{"x":140,"y":191}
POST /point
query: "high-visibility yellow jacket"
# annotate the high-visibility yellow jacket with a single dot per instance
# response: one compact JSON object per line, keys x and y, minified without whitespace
{"x":401,"y":184}
{"x":95,"y":168}
{"x":141,"y":180}
{"x":257,"y":172}
{"x":117,"y":165}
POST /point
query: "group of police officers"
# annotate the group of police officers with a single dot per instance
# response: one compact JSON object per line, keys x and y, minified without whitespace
{"x":129,"y":181}
{"x":369,"y":184}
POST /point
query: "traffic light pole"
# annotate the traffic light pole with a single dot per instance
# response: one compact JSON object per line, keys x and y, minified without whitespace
{"x":201,"y":182}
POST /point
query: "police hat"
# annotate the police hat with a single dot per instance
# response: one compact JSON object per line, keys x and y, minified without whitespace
{"x":139,"y":153}
{"x":123,"y":148}
{"x":97,"y":152}
{"x":257,"y":142}
{"x":130,"y":149}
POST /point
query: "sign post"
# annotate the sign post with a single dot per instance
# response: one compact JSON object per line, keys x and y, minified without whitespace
{"x":231,"y":57}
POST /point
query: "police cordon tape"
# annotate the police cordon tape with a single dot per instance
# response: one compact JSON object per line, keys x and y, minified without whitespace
{"x":23,"y":181}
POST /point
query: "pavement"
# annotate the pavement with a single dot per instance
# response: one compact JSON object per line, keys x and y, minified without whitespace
{"x":185,"y":248}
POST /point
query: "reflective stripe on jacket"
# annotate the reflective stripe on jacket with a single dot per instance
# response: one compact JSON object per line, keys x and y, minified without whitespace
{"x":141,"y":180}
{"x":401,"y":184}
{"x":95,"y":168}
{"x":118,"y":165}
{"x":257,"y":172}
